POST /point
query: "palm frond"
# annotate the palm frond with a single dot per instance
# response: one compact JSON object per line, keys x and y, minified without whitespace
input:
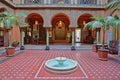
{"x":109,"y":20}
{"x":99,"y":18}
{"x":113,"y":21}
{"x":116,"y":23}
{"x":7,"y":24}
{"x":88,"y":25}
{"x":20,"y":15}
{"x":93,"y":25}
{"x":9,"y":19}
{"x":97,"y":24}
{"x":114,"y":4}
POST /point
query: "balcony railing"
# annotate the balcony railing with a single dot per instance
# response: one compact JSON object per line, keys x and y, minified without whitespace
{"x":60,"y":3}
{"x":40,"y":2}
{"x":110,"y":1}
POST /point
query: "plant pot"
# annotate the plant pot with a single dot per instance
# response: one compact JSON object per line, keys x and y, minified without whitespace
{"x":103,"y":54}
{"x":10,"y":51}
{"x":15,"y":44}
{"x":94,"y":48}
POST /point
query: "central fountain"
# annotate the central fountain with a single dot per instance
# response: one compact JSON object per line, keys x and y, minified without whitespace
{"x":61,"y":65}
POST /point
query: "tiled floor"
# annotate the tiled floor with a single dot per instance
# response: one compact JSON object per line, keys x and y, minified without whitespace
{"x":29,"y":65}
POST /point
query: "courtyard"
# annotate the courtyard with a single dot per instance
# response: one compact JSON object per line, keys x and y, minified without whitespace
{"x":29,"y":65}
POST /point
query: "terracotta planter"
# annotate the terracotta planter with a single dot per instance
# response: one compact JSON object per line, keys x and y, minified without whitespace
{"x":94,"y":48}
{"x":103,"y":54}
{"x":15,"y":44}
{"x":10,"y":51}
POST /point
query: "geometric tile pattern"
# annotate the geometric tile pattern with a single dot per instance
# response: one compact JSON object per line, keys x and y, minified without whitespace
{"x":4,"y":57}
{"x":26,"y":65}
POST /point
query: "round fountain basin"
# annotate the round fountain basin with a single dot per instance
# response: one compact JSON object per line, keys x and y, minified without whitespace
{"x":68,"y":66}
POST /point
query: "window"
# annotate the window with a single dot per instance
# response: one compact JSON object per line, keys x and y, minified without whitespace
{"x":61,"y":1}
{"x":36,"y":1}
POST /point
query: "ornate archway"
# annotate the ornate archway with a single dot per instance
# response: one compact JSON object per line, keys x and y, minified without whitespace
{"x":87,"y":36}
{"x":35,"y":30}
{"x":60,"y":27}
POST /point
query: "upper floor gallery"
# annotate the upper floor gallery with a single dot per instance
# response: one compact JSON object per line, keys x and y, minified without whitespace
{"x":58,"y":3}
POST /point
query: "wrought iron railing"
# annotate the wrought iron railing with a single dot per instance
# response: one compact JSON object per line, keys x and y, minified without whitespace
{"x":63,"y":3}
{"x":60,"y":2}
{"x":34,"y":2}
{"x":51,"y":2}
{"x":110,"y":1}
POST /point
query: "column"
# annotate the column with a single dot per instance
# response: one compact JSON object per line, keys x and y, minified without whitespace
{"x":72,"y":2}
{"x":97,"y":37}
{"x":9,"y":38}
{"x":116,"y":33}
{"x":75,"y":1}
{"x":99,"y":2}
{"x":22,"y":1}
{"x":97,"y":34}
{"x":113,"y":33}
{"x":6,"y":38}
{"x":45,"y":1}
{"x":104,"y":2}
{"x":17,"y":1}
{"x":47,"y":39}
{"x":119,"y":42}
{"x":119,"y":33}
{"x":22,"y":40}
{"x":49,"y":1}
{"x":73,"y":40}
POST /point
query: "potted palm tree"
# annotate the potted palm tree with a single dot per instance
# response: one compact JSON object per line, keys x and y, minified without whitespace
{"x":94,"y":46}
{"x":9,"y":20}
{"x":113,"y":6}
{"x":104,"y":24}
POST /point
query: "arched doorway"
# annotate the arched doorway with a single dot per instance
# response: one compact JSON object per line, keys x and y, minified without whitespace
{"x":35,"y":33}
{"x":87,"y":36}
{"x":60,"y":28}
{"x":60,"y":31}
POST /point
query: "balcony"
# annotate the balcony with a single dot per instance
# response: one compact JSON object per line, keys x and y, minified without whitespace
{"x":57,"y":3}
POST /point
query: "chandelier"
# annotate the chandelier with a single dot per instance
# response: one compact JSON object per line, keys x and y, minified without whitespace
{"x":60,"y":24}
{"x":36,"y":22}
